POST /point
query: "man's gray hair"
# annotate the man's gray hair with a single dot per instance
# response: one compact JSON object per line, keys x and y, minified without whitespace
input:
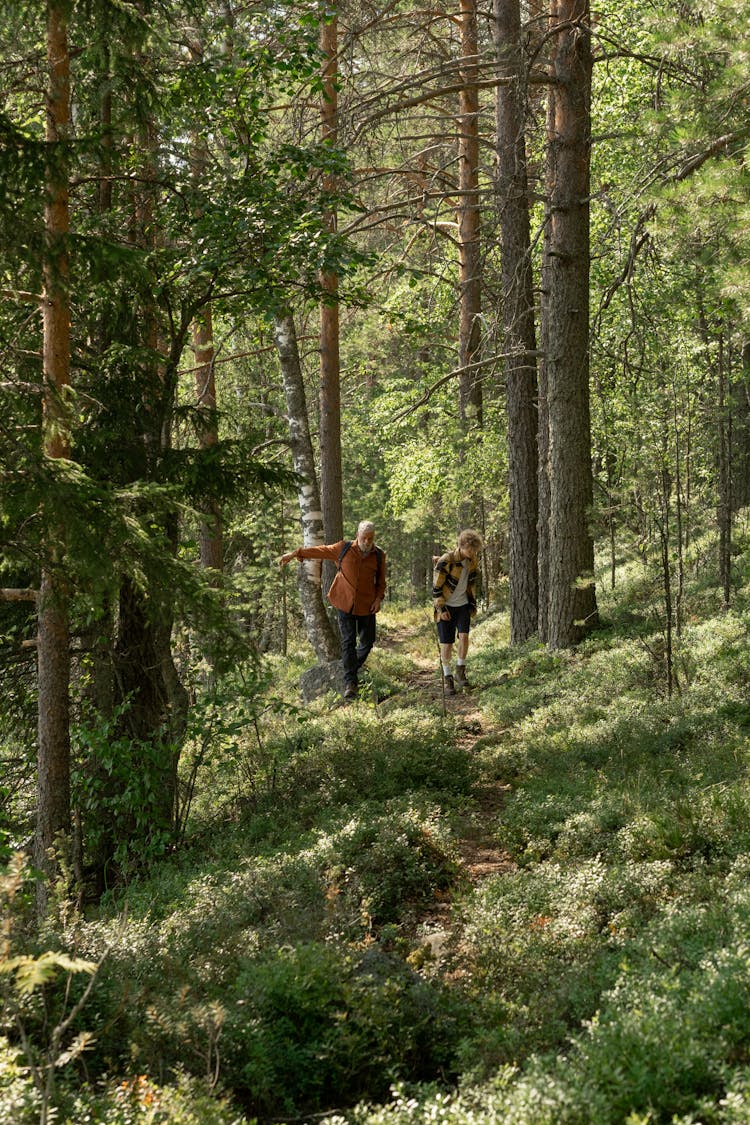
{"x":365,"y":525}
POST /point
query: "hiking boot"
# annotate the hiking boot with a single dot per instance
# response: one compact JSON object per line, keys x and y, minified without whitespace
{"x":450,"y":687}
{"x":461,"y":682}
{"x":350,"y":691}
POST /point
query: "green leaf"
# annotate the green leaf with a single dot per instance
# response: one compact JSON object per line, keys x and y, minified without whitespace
{"x":31,"y":972}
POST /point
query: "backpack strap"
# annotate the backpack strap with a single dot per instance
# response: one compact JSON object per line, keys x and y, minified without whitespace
{"x":378,"y":564}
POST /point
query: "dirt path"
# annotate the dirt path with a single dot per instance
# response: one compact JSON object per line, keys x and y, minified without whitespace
{"x":480,"y":855}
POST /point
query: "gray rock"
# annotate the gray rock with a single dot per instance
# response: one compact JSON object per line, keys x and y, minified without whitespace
{"x":436,"y":943}
{"x":320,"y":679}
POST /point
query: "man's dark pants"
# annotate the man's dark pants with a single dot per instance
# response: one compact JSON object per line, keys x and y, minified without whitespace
{"x":357,"y":638}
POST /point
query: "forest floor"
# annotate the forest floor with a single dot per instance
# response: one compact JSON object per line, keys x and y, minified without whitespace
{"x":480,"y":857}
{"x":489,"y":896}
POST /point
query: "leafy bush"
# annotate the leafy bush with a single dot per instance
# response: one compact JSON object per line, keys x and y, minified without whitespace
{"x":117,"y":784}
{"x":542,"y":945}
{"x":140,"y":1101}
{"x":323,"y":1024}
{"x":391,"y":860}
{"x":362,"y":757}
{"x":345,"y":881}
{"x":20,"y":1101}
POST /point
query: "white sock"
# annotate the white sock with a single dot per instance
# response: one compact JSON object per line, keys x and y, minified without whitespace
{"x":461,"y":663}
{"x":446,"y":669}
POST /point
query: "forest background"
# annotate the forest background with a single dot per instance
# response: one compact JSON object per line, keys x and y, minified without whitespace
{"x":270,"y":269}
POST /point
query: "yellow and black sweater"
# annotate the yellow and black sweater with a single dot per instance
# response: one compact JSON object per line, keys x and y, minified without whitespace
{"x":445,"y":578}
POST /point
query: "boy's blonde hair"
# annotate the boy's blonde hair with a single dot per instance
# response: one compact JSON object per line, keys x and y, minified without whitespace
{"x":470,"y":538}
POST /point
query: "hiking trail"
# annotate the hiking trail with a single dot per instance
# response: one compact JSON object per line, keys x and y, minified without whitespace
{"x":480,"y":856}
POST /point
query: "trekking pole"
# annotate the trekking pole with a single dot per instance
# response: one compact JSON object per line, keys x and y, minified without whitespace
{"x":440,"y":665}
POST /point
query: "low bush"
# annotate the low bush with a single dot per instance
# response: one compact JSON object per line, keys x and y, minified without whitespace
{"x":141,"y":1101}
{"x":20,"y":1101}
{"x":324,"y":1024}
{"x":387,"y":861}
{"x":544,"y":944}
{"x":601,"y":979}
{"x":162,"y":993}
{"x":351,"y":758}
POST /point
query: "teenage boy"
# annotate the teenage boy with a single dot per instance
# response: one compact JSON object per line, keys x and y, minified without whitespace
{"x":455,"y":603}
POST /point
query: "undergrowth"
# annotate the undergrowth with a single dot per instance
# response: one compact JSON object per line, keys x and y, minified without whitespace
{"x":276,"y":967}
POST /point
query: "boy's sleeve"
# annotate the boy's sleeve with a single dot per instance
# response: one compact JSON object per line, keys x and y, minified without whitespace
{"x":439,"y":575}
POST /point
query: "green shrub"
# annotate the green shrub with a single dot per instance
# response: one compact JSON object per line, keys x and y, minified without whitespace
{"x":20,"y":1101}
{"x":543,"y":944}
{"x":391,"y":860}
{"x":670,"y":1039}
{"x":351,"y":759}
{"x":325,"y":1025}
{"x":603,"y":980}
{"x":117,"y":784}
{"x":140,"y":1101}
{"x":663,"y":1039}
{"x":368,"y":868}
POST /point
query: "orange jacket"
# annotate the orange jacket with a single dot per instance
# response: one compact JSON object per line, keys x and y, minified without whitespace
{"x":354,"y":588}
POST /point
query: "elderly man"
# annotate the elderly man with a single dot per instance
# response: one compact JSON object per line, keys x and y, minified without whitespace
{"x":356,"y":593}
{"x":455,"y":603}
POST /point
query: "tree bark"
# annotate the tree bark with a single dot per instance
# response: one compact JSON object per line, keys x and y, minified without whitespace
{"x":519,"y":324}
{"x":211,"y":534}
{"x":724,"y":506}
{"x":319,"y":630}
{"x":158,"y":702}
{"x":470,"y":266}
{"x":53,"y":637}
{"x":145,"y":675}
{"x":331,"y":490}
{"x":98,"y":636}
{"x":53,"y":753}
{"x":543,"y":475}
{"x":741,"y":445}
{"x":572,"y":597}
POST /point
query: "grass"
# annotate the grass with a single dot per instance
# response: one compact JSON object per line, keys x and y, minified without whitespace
{"x":603,"y":976}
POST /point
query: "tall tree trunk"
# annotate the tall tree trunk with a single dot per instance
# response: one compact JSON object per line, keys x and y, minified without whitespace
{"x":97,"y":636}
{"x":330,"y":373}
{"x":679,"y":505}
{"x":211,"y":535}
{"x":741,"y":444}
{"x":543,"y":475}
{"x":53,"y":639}
{"x":665,"y":536}
{"x":518,"y":320}
{"x":145,"y":674}
{"x":572,"y":596}
{"x":211,"y":532}
{"x":470,"y":265}
{"x":319,"y":630}
{"x":158,"y":702}
{"x":107,"y":143}
{"x":724,"y":490}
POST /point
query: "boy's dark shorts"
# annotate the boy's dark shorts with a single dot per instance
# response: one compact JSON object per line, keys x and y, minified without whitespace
{"x":460,"y":622}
